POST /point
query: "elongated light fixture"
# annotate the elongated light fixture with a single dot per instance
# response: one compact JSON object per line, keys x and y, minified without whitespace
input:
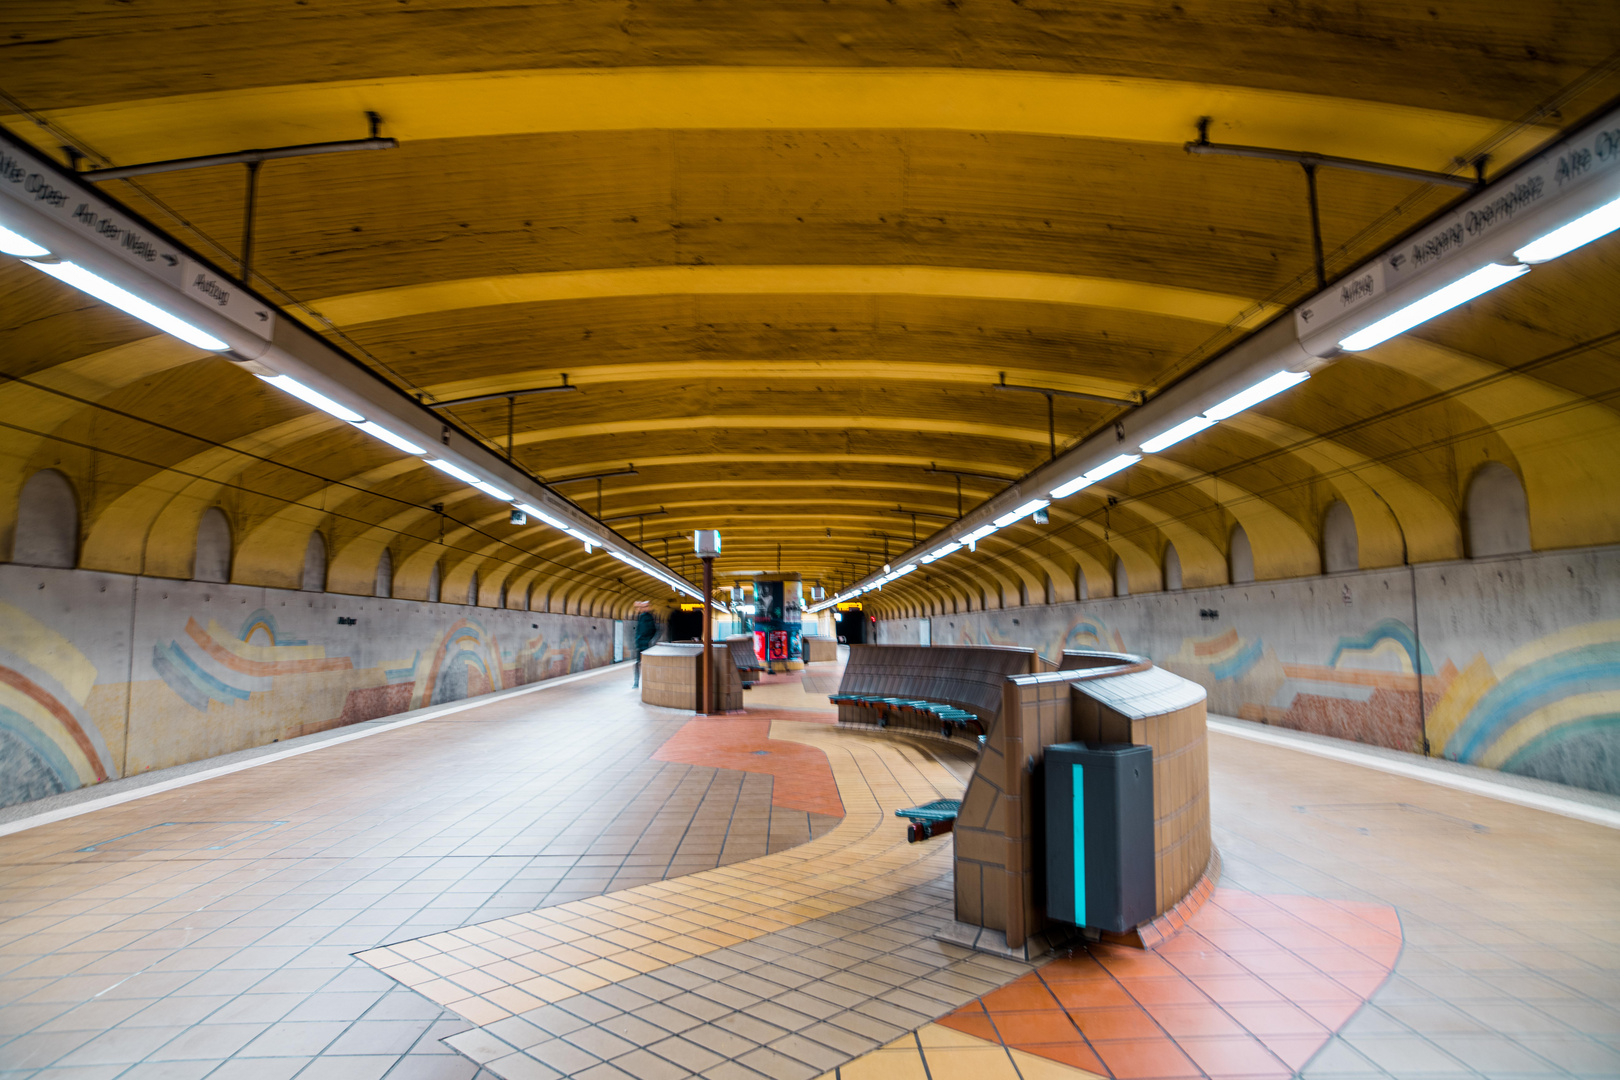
{"x":1268,"y":387}
{"x":1101,"y":472}
{"x":453,"y":470}
{"x":1020,"y":513}
{"x":490,"y":489}
{"x":535,"y":511}
{"x":19,"y":245}
{"x":1184,"y":430}
{"x":398,"y":442}
{"x":288,"y":384}
{"x":119,"y":297}
{"x":1583,"y":230}
{"x":1439,"y":302}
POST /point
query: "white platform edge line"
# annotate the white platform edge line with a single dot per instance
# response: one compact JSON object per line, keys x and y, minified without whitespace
{"x":1594,"y":815}
{"x":91,"y":805}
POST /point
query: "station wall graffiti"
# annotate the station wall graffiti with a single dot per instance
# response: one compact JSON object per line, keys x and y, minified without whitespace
{"x":106,"y":675}
{"x":1510,"y":664}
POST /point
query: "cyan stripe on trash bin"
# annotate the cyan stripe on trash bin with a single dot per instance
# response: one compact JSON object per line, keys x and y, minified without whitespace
{"x":1079,"y":799}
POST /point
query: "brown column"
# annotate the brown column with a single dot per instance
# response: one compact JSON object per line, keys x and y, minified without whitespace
{"x":708,"y":638}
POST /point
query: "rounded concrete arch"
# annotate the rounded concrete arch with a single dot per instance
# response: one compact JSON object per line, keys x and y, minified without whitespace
{"x":1496,"y":513}
{"x":47,"y":529}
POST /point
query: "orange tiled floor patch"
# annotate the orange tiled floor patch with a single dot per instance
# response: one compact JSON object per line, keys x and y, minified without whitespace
{"x":1252,"y":988}
{"x":802,"y":778}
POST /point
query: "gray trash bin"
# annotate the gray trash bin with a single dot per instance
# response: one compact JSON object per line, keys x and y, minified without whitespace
{"x":1099,"y":835}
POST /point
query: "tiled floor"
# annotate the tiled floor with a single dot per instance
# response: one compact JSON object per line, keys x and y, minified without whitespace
{"x":576,"y":885}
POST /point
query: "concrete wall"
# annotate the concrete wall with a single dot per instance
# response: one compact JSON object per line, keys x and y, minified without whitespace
{"x":107,"y":675}
{"x":1518,"y":657}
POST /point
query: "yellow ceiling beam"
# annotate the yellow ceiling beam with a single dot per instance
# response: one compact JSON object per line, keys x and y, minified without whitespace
{"x":781,"y":421}
{"x":820,"y":371}
{"x":946,"y":282}
{"x":507,"y":103}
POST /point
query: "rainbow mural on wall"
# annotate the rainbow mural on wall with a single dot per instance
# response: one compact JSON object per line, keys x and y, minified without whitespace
{"x":48,"y":743}
{"x":1550,"y":710}
{"x":203,"y":688}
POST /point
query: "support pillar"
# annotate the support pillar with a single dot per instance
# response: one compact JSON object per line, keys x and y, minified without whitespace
{"x":708,"y":636}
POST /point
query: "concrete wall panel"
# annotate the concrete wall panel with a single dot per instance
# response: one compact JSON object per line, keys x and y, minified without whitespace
{"x":106,"y":675}
{"x":1518,"y":657}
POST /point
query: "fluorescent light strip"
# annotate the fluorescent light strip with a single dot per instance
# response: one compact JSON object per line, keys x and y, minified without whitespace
{"x":1019,"y":514}
{"x":1101,"y":472}
{"x":1185,"y":429}
{"x":1583,"y":230}
{"x":453,"y":470}
{"x":398,"y":442}
{"x":1439,"y":302}
{"x":490,"y":489}
{"x":535,"y":511}
{"x":16,"y":244}
{"x":126,"y":301}
{"x":289,"y":385}
{"x":1254,"y":395}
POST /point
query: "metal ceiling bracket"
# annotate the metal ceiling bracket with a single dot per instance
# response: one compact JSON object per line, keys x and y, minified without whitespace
{"x":453,"y":402}
{"x":1202,"y":145}
{"x":245,"y":157}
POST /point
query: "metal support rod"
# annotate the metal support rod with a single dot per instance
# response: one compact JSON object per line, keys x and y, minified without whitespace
{"x":240,"y":157}
{"x":958,"y":496}
{"x":1202,"y":145}
{"x":599,"y":498}
{"x":630,"y":471}
{"x":1316,"y":223}
{"x":247,"y":223}
{"x":453,"y":402}
{"x":959,"y":473}
{"x":511,"y":409}
{"x":1135,"y":397}
{"x":708,"y":636}
{"x":1051,"y":427}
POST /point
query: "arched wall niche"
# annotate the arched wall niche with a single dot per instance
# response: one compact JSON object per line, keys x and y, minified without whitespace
{"x":1496,"y":513}
{"x":472,"y":589}
{"x":47,"y":522}
{"x":1172,"y":568}
{"x":434,"y":582}
{"x":1240,"y":557}
{"x":1122,"y":579}
{"x":212,"y":561}
{"x":1341,"y":549}
{"x":384,"y":585}
{"x":314,"y":578}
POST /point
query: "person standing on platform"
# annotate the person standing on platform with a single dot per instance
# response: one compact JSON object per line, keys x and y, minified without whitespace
{"x":646,"y":635}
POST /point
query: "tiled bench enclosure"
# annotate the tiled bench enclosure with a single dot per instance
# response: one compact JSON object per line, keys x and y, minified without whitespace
{"x":969,"y":677}
{"x":819,"y":649}
{"x":1099,"y":697}
{"x":672,"y":676}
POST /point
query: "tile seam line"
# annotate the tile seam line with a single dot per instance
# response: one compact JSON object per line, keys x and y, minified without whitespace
{"x":63,"y":813}
{"x":1501,"y":792}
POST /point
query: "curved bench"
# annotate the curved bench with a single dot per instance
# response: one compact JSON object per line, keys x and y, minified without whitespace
{"x":933,"y":689}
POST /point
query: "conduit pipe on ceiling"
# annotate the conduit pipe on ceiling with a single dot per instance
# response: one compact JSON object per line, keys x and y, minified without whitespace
{"x":89,"y":240}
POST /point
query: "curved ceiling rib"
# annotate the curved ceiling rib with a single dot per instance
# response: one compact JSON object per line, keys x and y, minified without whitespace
{"x":493,"y":104}
{"x":948,"y":282}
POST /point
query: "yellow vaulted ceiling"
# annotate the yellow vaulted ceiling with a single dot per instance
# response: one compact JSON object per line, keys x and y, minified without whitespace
{"x":785,"y":250}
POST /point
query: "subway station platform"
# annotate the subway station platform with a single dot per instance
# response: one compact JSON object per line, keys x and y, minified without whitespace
{"x":565,"y":882}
